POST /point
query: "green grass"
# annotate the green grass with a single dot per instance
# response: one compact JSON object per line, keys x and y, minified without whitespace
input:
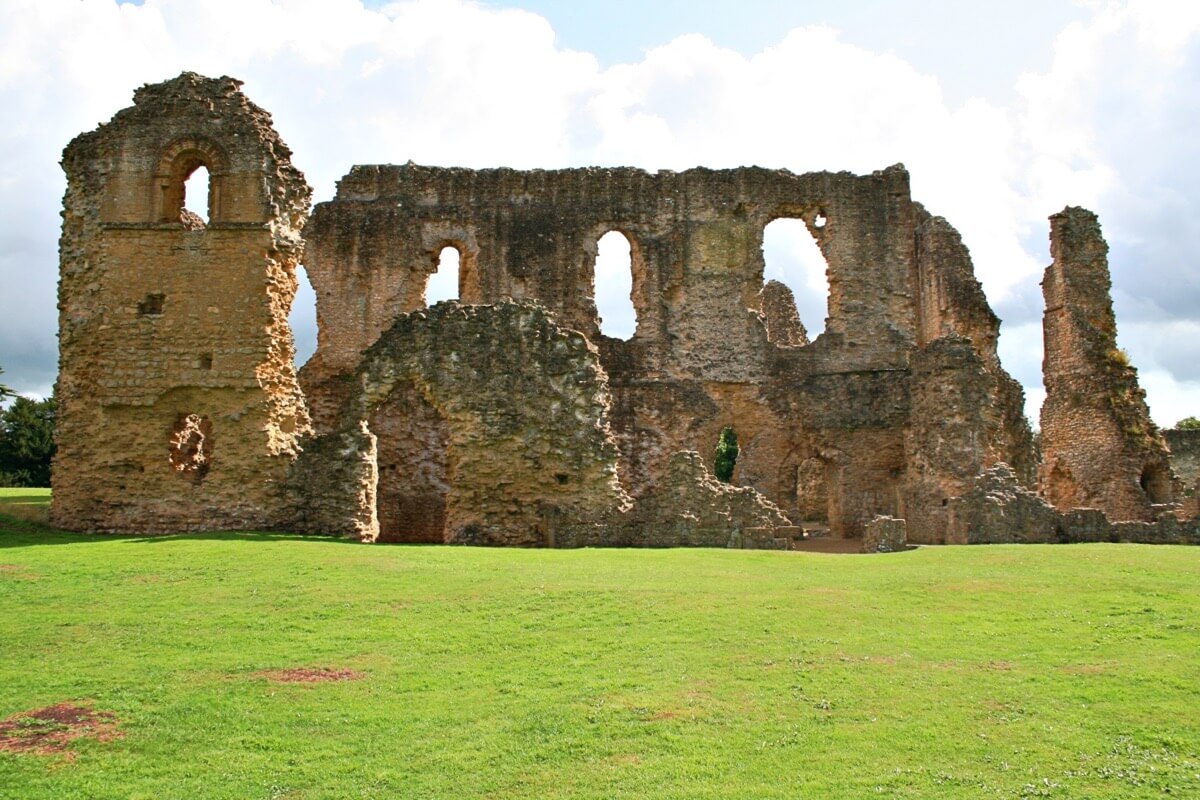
{"x":23,"y":496}
{"x":1002,"y":671}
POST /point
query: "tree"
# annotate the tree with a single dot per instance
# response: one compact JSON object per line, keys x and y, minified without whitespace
{"x":727,"y":453}
{"x":1188,"y":424}
{"x":4,"y":390}
{"x":27,"y":442}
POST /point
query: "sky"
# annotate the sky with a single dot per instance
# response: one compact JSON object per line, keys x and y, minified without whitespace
{"x":1003,"y":112}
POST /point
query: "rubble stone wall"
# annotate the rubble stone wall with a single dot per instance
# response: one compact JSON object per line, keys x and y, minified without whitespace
{"x":1100,"y":448}
{"x":506,"y":417}
{"x":714,"y":345}
{"x":179,"y":405}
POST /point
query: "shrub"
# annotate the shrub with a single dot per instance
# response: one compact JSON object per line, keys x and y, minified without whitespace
{"x":727,"y":453}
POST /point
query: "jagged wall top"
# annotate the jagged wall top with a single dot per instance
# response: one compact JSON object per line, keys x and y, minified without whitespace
{"x":182,"y":123}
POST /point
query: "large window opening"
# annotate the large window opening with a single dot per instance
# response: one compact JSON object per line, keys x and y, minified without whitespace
{"x":196,"y":195}
{"x":443,"y":283}
{"x":792,"y":257}
{"x":614,"y":286}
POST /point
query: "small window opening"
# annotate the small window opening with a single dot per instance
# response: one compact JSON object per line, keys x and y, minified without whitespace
{"x":562,"y":478}
{"x":196,"y":198}
{"x":443,"y":283}
{"x":614,"y":286}
{"x":303,"y":317}
{"x":726,"y":455}
{"x":152,"y":306}
{"x":819,"y":220}
{"x":792,"y":257}
{"x":204,"y":361}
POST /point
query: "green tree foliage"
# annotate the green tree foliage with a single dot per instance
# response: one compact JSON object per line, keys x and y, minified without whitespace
{"x":727,"y":453}
{"x":4,"y":390}
{"x":27,"y":442}
{"x":1188,"y":424}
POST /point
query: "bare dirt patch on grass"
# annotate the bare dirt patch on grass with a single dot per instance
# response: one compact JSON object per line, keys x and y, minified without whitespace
{"x":50,"y":730}
{"x":18,"y":573}
{"x":311,"y":675}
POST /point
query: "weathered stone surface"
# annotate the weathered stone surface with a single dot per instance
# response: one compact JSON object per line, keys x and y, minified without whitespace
{"x":1185,"y":463}
{"x":885,"y":535}
{"x":1100,"y":449}
{"x":999,"y":510}
{"x":510,"y":428}
{"x":507,"y":417}
{"x":178,"y":402}
{"x":780,"y":315}
{"x":691,"y":507}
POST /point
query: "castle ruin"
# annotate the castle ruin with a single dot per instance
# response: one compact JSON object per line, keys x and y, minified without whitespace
{"x":507,"y":417}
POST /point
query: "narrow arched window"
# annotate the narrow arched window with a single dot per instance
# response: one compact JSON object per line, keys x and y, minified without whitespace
{"x":196,"y":195}
{"x":443,"y":284}
{"x":613,"y":289}
{"x":188,"y":181}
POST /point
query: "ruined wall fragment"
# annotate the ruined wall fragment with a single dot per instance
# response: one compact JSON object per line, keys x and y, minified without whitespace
{"x":518,"y":407}
{"x":1185,"y":463}
{"x":1100,"y":448}
{"x":946,"y":438}
{"x":708,"y":349}
{"x":178,"y":402}
{"x":951,"y":302}
{"x":782,"y":319}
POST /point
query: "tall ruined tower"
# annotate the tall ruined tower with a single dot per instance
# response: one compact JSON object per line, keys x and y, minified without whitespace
{"x":1100,"y":448}
{"x":179,"y":407}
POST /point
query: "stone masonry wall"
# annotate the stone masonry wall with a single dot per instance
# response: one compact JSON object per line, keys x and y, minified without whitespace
{"x":178,"y":402}
{"x":507,"y":417}
{"x":822,"y":424}
{"x":1100,"y":448}
{"x":1185,"y":463}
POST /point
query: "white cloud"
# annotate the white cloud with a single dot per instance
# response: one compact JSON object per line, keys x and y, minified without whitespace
{"x":1109,"y":125}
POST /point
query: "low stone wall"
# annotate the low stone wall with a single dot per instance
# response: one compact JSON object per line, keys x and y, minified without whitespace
{"x":885,"y":535}
{"x":999,"y":510}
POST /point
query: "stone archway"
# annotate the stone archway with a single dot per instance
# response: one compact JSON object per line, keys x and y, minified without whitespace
{"x":412,"y":444}
{"x":521,"y":406}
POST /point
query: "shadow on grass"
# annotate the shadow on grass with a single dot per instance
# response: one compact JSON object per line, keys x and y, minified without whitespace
{"x":18,"y":532}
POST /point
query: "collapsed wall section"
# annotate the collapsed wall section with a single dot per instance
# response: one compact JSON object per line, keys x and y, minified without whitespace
{"x":1100,"y":448}
{"x":178,"y":402}
{"x":526,"y":451}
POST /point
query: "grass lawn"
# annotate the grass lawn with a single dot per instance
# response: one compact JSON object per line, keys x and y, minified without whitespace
{"x":974,"y":672}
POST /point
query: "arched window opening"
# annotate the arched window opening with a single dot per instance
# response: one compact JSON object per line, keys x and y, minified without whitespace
{"x":196,"y":194}
{"x":792,"y":257}
{"x":443,"y":283}
{"x":303,"y":317}
{"x":188,"y":183}
{"x":725,"y":458}
{"x":613,"y":288}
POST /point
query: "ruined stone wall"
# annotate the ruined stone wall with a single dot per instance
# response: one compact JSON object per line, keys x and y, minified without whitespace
{"x":998,"y":509}
{"x":507,"y":418}
{"x":517,"y":408}
{"x":714,"y":346}
{"x":178,"y":402}
{"x":489,"y":424}
{"x":1100,"y":448}
{"x":951,"y":303}
{"x":1185,"y":463}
